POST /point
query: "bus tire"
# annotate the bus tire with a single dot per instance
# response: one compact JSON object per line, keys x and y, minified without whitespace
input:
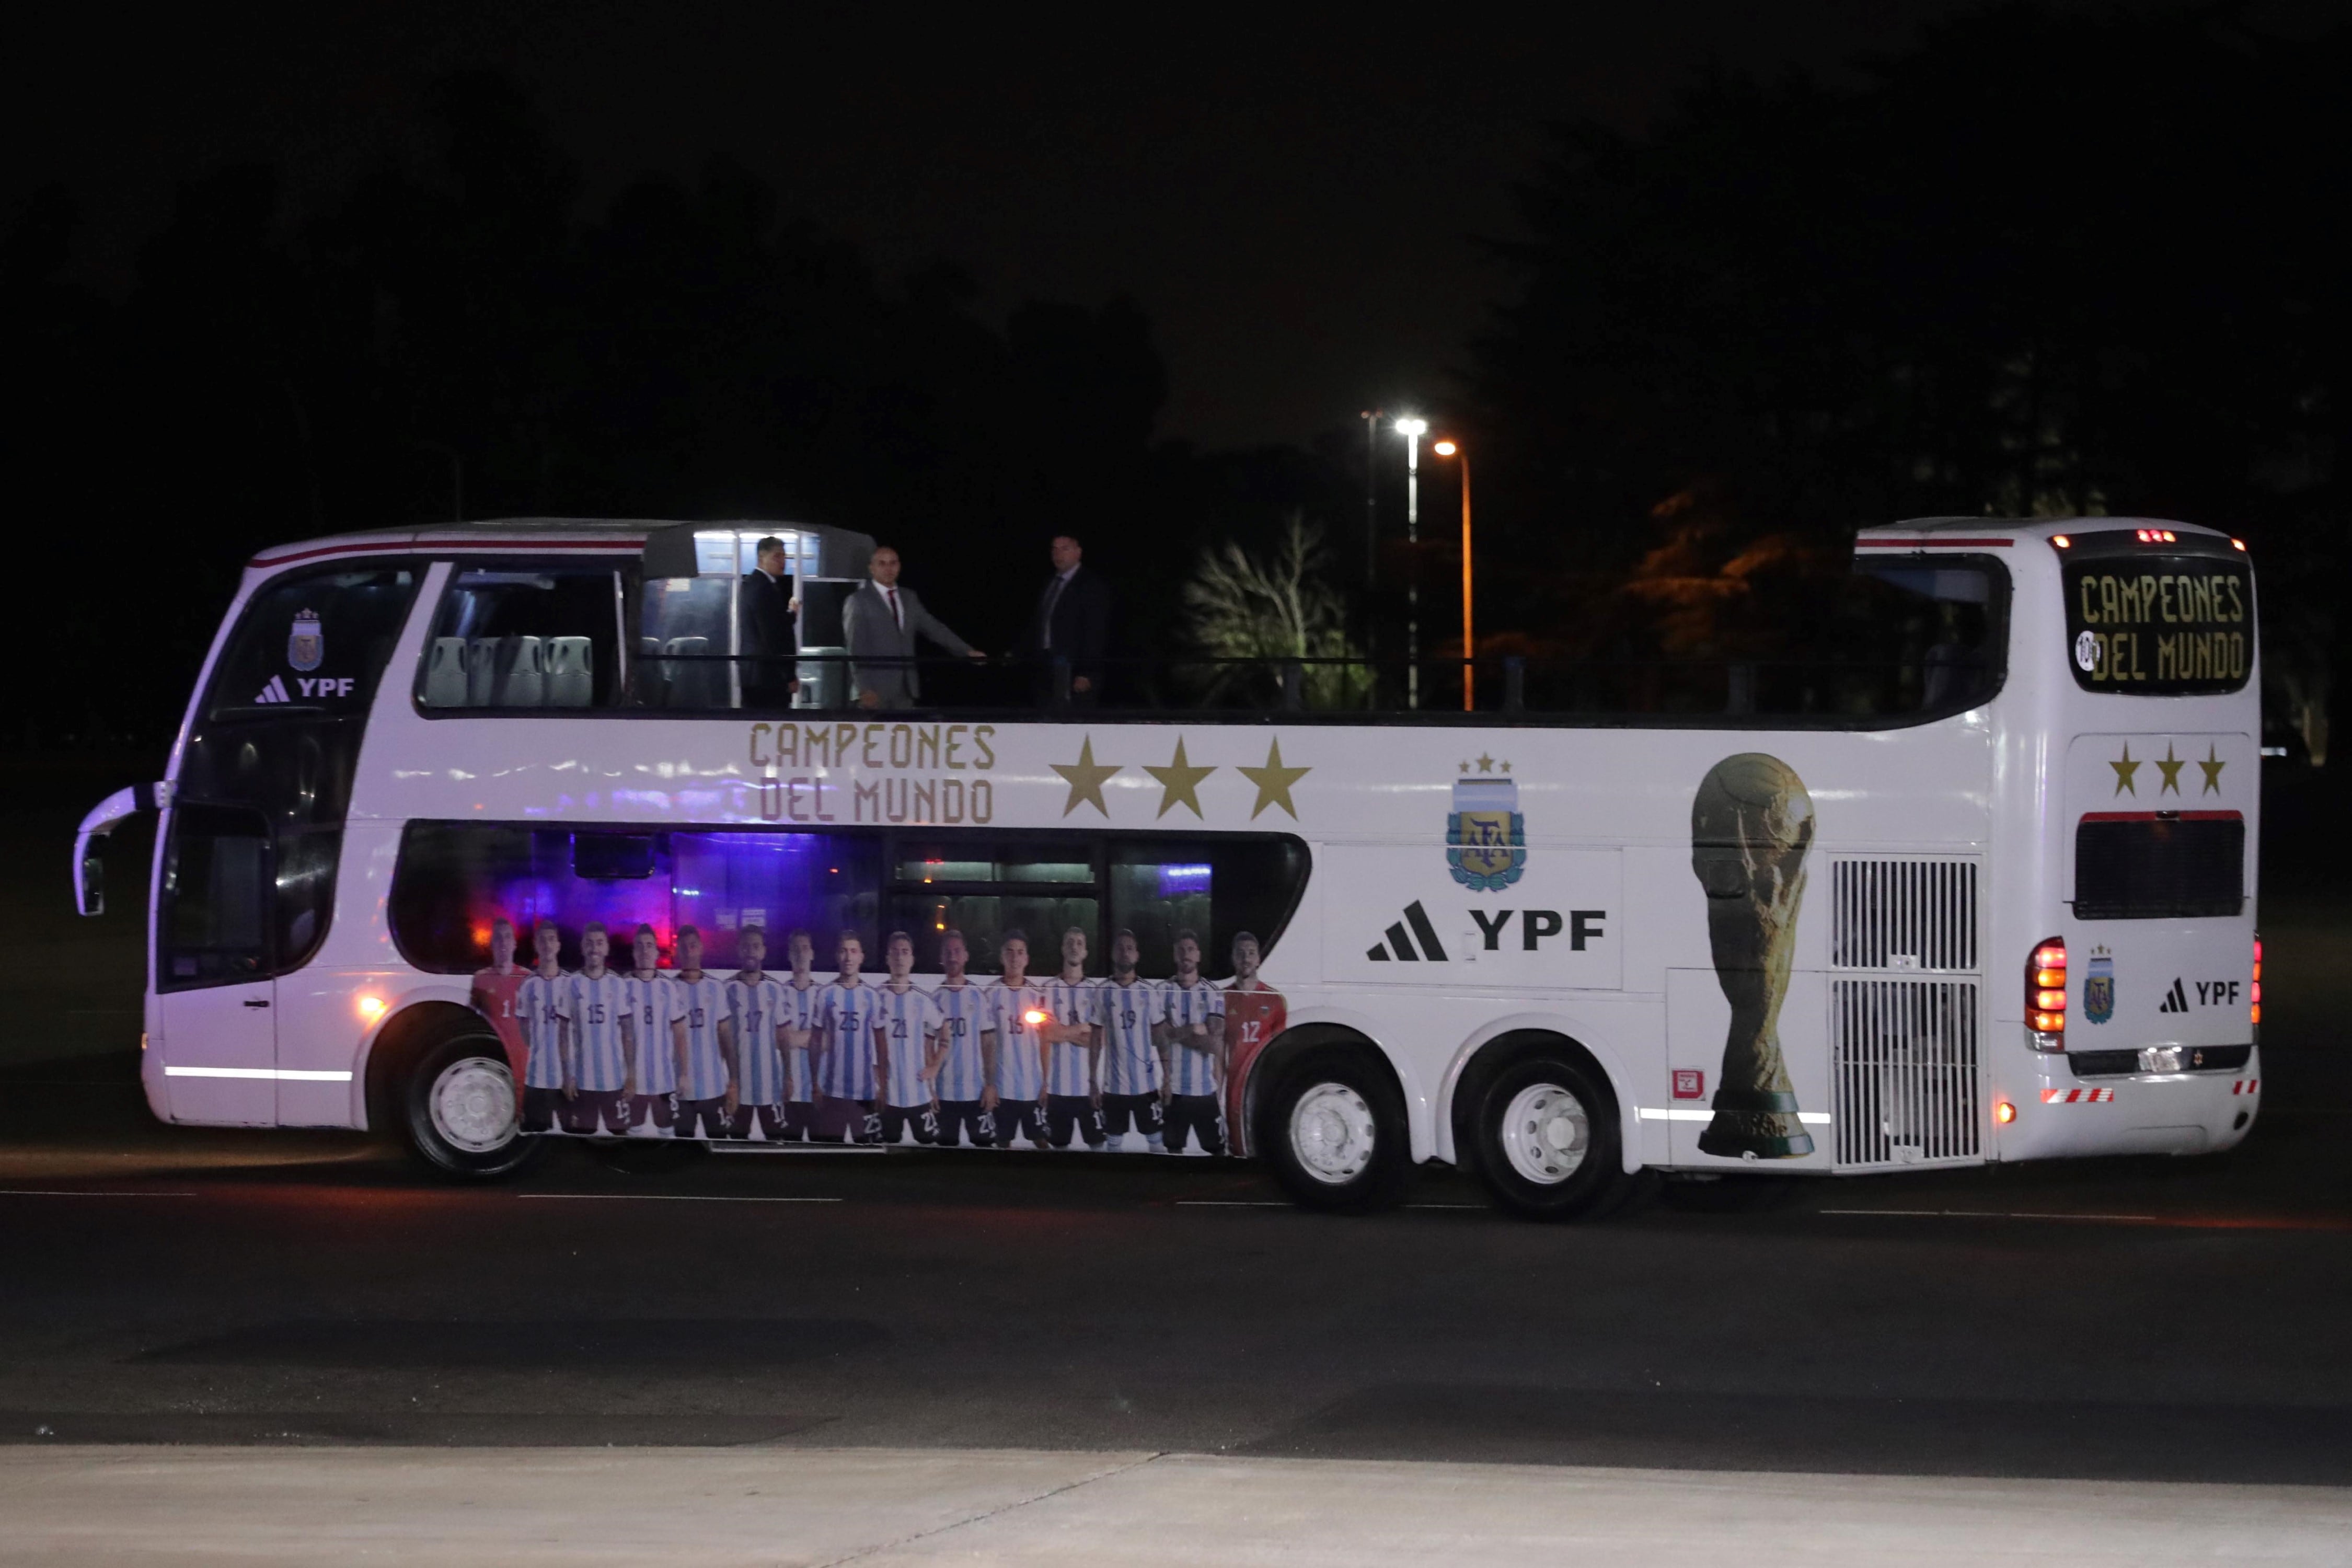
{"x":1334,"y":1130}
{"x":458,"y":1110}
{"x":1547,"y":1140}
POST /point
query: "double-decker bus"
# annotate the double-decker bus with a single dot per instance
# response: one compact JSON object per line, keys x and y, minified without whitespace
{"x":1986,"y":893}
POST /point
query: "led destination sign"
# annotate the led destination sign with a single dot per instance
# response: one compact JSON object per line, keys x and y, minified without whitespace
{"x":2159,"y":625}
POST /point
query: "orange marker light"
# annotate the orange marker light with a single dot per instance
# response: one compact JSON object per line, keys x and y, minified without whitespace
{"x":2237,"y":544}
{"x":2003,"y":1112}
{"x":371,"y":1009}
{"x":1032,"y":1017}
{"x":2061,"y":542}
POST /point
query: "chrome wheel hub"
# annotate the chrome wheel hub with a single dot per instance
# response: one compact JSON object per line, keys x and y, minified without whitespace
{"x":1331,"y":1133}
{"x":472,"y":1103}
{"x":1546,"y":1133}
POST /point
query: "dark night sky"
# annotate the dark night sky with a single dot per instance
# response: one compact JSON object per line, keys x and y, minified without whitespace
{"x":1293,"y":202}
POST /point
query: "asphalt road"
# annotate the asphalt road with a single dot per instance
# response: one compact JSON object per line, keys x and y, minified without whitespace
{"x":2130,"y":1319}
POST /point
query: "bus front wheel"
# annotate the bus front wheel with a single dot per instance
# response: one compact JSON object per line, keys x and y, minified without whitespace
{"x":1336,"y":1134}
{"x":1547,"y":1140}
{"x":458,"y":1113}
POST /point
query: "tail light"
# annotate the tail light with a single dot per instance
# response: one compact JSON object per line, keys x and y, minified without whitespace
{"x":2257,"y":1007}
{"x":2045,"y":995}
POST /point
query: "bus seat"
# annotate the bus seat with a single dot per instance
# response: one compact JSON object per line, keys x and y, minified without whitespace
{"x":691,"y":685}
{"x":522,"y":681}
{"x":444,"y":675}
{"x":570,"y":672}
{"x":481,"y":671}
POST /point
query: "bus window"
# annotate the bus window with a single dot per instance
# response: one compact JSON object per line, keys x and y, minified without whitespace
{"x":1214,"y":888}
{"x":535,"y":636}
{"x":311,"y":643}
{"x":986,"y":885}
{"x":2175,"y":622}
{"x":213,"y":928}
{"x":454,"y":879}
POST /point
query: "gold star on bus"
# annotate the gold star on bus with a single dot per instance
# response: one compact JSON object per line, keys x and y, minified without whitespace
{"x":2170,"y":768}
{"x":1179,"y":782}
{"x":1273,"y":781}
{"x":2211,"y":766}
{"x":1085,"y":778}
{"x":1485,"y":764}
{"x":2123,"y":771}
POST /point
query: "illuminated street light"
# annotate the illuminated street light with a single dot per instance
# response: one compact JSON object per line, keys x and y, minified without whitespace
{"x":1469,"y":634}
{"x":1413,"y":430}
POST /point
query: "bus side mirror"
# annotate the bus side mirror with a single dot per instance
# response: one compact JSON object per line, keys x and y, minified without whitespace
{"x":89,"y":865}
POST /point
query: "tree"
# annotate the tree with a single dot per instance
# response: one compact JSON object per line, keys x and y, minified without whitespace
{"x":1280,"y":605}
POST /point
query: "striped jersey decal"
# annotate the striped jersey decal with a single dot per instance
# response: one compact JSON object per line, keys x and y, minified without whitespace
{"x":704,"y":1003}
{"x":1019,"y":1074}
{"x":1192,"y":1071}
{"x":844,"y":1067}
{"x":800,"y":1012}
{"x":539,"y":1008}
{"x":653,"y":1005}
{"x":597,"y":1008}
{"x":1071,"y":1002}
{"x":1131,"y":1063}
{"x":753,"y":1010}
{"x":904,"y":1018}
{"x":960,"y":1013}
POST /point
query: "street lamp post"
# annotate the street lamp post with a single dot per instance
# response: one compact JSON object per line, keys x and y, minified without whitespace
{"x":1413,"y":430}
{"x":1469,"y":625}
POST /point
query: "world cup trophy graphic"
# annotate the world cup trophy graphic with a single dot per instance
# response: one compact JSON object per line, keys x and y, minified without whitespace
{"x":1752,"y":823}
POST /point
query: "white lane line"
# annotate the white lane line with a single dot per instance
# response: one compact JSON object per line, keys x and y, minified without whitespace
{"x":65,"y":1193}
{"x":1985,"y":1214}
{"x":669,"y":1198}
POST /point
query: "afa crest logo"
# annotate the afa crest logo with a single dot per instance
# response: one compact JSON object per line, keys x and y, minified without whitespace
{"x":1485,"y":836}
{"x":2099,"y":988}
{"x":306,"y":645}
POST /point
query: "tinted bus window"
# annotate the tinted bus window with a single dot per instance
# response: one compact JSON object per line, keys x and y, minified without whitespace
{"x":2157,"y":624}
{"x":456,"y":878}
{"x":214,"y":926}
{"x":536,"y":636}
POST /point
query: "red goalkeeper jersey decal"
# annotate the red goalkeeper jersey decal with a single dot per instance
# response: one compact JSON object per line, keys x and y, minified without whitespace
{"x":1252,"y":1018}
{"x":494,"y":996}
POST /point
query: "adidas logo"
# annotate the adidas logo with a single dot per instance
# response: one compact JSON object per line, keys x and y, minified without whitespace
{"x":2175,"y":1000}
{"x":1400,"y":946}
{"x":274,"y":692}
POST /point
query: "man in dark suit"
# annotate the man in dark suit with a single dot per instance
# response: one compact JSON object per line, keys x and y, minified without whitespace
{"x":881,"y":623}
{"x":766,"y":601}
{"x":1073,"y":623}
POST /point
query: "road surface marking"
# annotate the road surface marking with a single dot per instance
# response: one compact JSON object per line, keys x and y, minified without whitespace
{"x":671,"y":1198}
{"x":63,"y":1193}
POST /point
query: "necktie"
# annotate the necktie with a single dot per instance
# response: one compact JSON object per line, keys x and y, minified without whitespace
{"x":896,"y":619}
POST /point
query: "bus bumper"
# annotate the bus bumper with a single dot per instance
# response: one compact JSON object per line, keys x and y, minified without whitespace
{"x":2058,"y":1115}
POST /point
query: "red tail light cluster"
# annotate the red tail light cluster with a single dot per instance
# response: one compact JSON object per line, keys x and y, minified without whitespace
{"x":2257,"y":1009}
{"x":2045,"y":995}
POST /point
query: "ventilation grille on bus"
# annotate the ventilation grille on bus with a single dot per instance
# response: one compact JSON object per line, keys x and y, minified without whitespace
{"x":1904,"y":1065}
{"x":1891,"y":913}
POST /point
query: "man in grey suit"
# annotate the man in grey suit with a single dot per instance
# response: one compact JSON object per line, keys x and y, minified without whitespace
{"x":881,"y":623}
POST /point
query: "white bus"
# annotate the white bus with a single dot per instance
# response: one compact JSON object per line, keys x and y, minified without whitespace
{"x":1985,"y":895}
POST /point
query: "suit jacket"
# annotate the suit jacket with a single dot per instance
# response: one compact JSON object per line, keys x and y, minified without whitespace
{"x":767,"y":629}
{"x":1081,"y":623}
{"x":873,"y":636}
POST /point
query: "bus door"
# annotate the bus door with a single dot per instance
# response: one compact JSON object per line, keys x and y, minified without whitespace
{"x":254,"y":831}
{"x":216,"y":1002}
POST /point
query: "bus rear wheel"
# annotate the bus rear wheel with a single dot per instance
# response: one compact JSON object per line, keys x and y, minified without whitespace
{"x":1546,"y":1140}
{"x":1336,"y":1134}
{"x":458,"y":1113}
